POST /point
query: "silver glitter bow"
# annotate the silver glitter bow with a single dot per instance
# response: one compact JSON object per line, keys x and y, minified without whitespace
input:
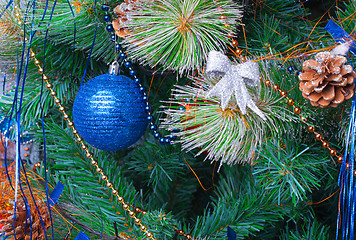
{"x":233,"y":80}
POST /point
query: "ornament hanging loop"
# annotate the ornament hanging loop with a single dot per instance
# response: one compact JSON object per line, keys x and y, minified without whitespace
{"x":114,"y":68}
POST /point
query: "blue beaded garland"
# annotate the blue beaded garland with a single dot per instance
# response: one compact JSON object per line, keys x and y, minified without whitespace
{"x":137,"y":81}
{"x":132,"y":72}
{"x":290,"y":69}
{"x":110,"y":28}
{"x":181,"y":108}
{"x":153,"y":127}
{"x":107,"y":18}
{"x":105,"y":8}
{"x":122,"y":56}
{"x":109,"y":112}
{"x":118,"y":47}
{"x":172,"y":137}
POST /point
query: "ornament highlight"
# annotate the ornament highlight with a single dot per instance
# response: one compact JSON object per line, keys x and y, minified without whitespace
{"x":109,"y":112}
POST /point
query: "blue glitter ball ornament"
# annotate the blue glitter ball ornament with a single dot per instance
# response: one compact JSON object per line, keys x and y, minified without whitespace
{"x":109,"y":112}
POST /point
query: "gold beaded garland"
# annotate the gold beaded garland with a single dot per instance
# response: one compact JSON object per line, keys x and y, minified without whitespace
{"x":70,"y":124}
{"x":137,"y":221}
{"x":290,"y":101}
{"x":115,"y":192}
{"x":325,"y":144}
{"x":143,"y":228}
{"x":318,"y":136}
{"x":89,"y":155}
{"x":283,"y":93}
{"x":149,"y":235}
{"x":297,"y":110}
{"x":268,"y":83}
{"x":57,"y":101}
{"x":84,"y":147}
{"x":99,"y":170}
{"x":75,"y":133}
{"x":332,"y":152}
{"x":104,"y":177}
{"x":120,"y":199}
{"x":234,"y":43}
{"x":311,"y":129}
{"x":125,"y":206}
{"x":222,"y":17}
{"x":109,"y":185}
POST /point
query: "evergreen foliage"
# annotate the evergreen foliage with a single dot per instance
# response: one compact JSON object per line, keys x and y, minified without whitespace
{"x":285,"y":194}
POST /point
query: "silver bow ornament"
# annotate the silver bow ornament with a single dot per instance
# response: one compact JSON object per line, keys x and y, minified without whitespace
{"x":233,"y":80}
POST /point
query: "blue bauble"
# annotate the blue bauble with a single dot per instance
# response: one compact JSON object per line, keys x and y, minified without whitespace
{"x":109,"y":112}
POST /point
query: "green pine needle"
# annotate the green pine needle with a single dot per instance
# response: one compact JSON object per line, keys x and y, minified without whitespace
{"x":226,"y":135}
{"x":288,"y":169}
{"x":178,"y":34}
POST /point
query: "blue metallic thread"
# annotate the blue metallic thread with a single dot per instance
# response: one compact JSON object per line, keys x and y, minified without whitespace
{"x":109,"y":112}
{"x":346,"y":178}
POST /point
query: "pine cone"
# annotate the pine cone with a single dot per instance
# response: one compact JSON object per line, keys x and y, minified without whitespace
{"x":124,"y":16}
{"x":327,"y":81}
{"x":23,"y":228}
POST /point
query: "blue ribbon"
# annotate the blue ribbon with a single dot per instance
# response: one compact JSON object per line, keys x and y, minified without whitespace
{"x":346,"y":181}
{"x":82,"y":236}
{"x":340,"y":35}
{"x":55,"y":194}
{"x":231,"y":234}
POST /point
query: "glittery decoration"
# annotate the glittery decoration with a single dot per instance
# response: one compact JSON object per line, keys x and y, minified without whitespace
{"x":109,"y":112}
{"x":233,"y":81}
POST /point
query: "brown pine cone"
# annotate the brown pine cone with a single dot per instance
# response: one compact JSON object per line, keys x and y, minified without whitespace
{"x":327,"y":81}
{"x":123,"y":12}
{"x":23,"y":229}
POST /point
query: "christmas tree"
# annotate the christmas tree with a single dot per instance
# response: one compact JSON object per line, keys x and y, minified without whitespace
{"x":177,"y":119}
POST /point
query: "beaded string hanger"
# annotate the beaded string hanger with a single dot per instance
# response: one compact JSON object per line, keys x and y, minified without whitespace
{"x":118,"y":48}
